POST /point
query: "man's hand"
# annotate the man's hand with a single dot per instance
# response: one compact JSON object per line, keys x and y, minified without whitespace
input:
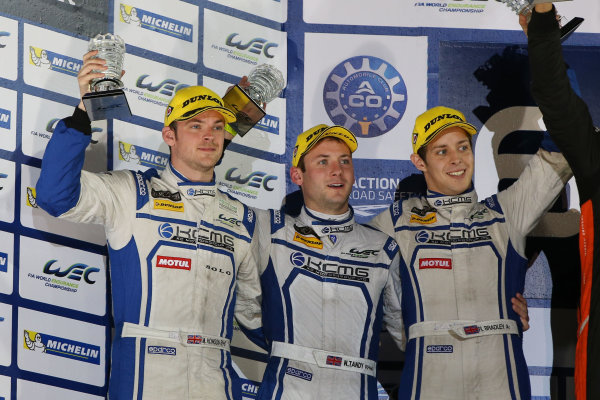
{"x":519,"y":305}
{"x":540,"y":8}
{"x":87,"y":73}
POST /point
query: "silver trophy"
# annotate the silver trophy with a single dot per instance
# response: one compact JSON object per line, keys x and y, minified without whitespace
{"x":526,"y":6}
{"x":266,"y":82}
{"x":107,"y":98}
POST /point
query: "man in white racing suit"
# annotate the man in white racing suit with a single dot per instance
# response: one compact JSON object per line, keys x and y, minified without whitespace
{"x":462,"y":260}
{"x":180,"y":250}
{"x":328,"y":283}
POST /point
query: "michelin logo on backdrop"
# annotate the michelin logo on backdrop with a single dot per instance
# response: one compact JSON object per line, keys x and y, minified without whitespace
{"x":3,"y":262}
{"x":142,"y":156}
{"x":30,"y":198}
{"x":269,"y":123}
{"x":156,"y":22}
{"x":61,"y":347}
{"x":54,"y":61}
{"x":365,"y":94}
{"x":5,"y":118}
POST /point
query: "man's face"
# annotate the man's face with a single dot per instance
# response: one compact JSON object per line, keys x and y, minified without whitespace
{"x":448,"y":168}
{"x":197,"y":144}
{"x":328,"y":177}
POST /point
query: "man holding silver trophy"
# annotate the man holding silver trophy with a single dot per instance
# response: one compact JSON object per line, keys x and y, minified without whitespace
{"x":181,"y":251}
{"x":570,"y":125}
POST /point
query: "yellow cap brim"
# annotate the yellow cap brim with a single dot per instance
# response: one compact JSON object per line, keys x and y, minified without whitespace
{"x":470,"y":129}
{"x":227,"y":114}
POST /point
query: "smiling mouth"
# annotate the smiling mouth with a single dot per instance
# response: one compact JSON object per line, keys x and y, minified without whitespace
{"x":335,"y":185}
{"x":457,"y":173}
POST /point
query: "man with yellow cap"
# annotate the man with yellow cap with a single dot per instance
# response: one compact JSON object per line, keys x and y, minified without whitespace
{"x":462,"y":262}
{"x":178,"y":249}
{"x":328,"y":282}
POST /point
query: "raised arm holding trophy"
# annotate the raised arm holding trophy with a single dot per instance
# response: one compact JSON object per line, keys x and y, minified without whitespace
{"x":569,"y":123}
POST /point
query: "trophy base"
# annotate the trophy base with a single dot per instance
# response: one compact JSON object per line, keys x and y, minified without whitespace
{"x":247,"y":111}
{"x":106,"y":105}
{"x":569,"y":28}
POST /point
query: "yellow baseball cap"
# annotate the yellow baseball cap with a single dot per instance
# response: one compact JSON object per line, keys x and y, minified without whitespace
{"x":433,"y":121}
{"x":307,"y":139}
{"x":191,"y":101}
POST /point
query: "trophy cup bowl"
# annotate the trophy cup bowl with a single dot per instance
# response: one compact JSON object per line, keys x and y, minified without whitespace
{"x":107,"y":98}
{"x":266,"y":82}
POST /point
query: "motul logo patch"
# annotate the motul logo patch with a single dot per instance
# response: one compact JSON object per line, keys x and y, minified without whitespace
{"x":173,"y":262}
{"x":439,"y":263}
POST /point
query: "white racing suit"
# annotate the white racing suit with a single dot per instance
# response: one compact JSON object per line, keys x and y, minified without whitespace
{"x":327,"y":287}
{"x":462,"y":262}
{"x":177,"y":251}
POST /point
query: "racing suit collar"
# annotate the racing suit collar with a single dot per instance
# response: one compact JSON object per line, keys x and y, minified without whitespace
{"x":441,"y":201}
{"x":188,"y":188}
{"x":325,"y":226}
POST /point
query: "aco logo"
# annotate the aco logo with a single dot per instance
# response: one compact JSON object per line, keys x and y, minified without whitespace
{"x":365,"y":94}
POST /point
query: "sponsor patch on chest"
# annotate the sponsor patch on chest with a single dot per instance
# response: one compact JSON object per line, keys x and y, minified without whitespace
{"x":173,"y":262}
{"x":308,"y":241}
{"x":168,"y":205}
{"x":435,"y":263}
{"x":425,"y":220}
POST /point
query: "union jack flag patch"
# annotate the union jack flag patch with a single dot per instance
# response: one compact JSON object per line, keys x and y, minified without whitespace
{"x":194,"y":339}
{"x":333,"y":360}
{"x":471,"y":330}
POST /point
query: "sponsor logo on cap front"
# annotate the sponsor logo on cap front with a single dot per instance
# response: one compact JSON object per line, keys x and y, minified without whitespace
{"x":435,"y":263}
